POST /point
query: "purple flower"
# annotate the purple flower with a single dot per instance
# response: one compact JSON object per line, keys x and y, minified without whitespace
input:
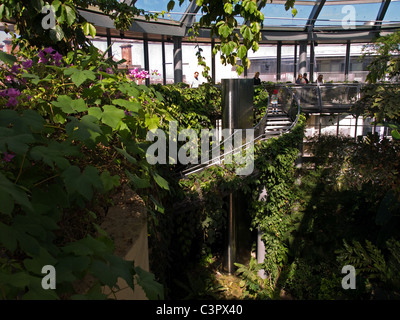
{"x":3,"y":93}
{"x":12,"y":102}
{"x":15,"y":68}
{"x":109,"y":71}
{"x":13,"y":93}
{"x":42,"y":57}
{"x":27,"y":64}
{"x":57,"y":58}
{"x":49,"y":50}
{"x":8,"y":156}
{"x":128,"y":113}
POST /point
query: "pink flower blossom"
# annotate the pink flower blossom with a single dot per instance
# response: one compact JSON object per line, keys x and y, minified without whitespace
{"x":135,"y":74}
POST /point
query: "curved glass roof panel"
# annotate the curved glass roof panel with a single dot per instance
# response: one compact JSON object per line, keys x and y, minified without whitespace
{"x":393,"y":13}
{"x":344,"y":14}
{"x":348,"y":13}
{"x":275,"y":15}
{"x":157,"y":6}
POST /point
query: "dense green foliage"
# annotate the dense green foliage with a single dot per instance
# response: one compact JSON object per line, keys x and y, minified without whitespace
{"x":69,"y":135}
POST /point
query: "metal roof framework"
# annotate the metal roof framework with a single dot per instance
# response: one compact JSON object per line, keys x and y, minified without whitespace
{"x":310,"y":33}
{"x":332,"y":32}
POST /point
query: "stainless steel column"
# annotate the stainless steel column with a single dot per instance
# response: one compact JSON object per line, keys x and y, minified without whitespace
{"x":237,"y":113}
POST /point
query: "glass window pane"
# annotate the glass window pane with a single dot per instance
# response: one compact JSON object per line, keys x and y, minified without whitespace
{"x":153,"y":6}
{"x":392,"y":14}
{"x":189,"y":61}
{"x":155,"y":62}
{"x":169,"y":62}
{"x":330,"y":60}
{"x":263,"y":61}
{"x":276,"y":15}
{"x":356,"y":14}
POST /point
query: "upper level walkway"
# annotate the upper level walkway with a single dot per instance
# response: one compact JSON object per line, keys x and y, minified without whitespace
{"x":327,"y":98}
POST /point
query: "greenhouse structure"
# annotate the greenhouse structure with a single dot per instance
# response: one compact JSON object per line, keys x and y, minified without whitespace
{"x":200,"y":150}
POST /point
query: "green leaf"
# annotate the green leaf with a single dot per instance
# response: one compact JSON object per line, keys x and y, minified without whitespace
{"x":228,"y":8}
{"x":129,"y":105}
{"x":89,"y":29}
{"x":79,"y":105}
{"x":95,"y":112}
{"x":56,"y":34}
{"x":395,"y":134}
{"x":160,"y":181}
{"x":152,"y":122}
{"x":112,"y":116}
{"x":64,"y":102}
{"x":17,"y":280}
{"x":67,"y":266}
{"x":130,"y":89}
{"x":101,"y":270}
{"x":8,"y":236}
{"x":170,"y":5}
{"x":153,"y":289}
{"x":70,"y":15}
{"x":83,"y":183}
{"x":79,"y":76}
{"x":109,"y":182}
{"x":7,"y":58}
{"x":18,"y":143}
{"x":6,"y":204}
{"x":70,"y":106}
{"x":224,"y":31}
{"x":54,"y":153}
{"x":137,"y":182}
{"x":19,"y":196}
{"x":242,"y":52}
{"x":122,"y":268}
{"x":126,"y":155}
{"x":84,"y":129}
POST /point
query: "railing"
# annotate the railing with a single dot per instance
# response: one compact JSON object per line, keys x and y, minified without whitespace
{"x":327,"y":97}
{"x":289,"y":103}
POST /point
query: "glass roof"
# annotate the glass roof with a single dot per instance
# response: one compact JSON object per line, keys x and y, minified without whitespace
{"x":276,"y":15}
{"x":332,"y":13}
{"x":356,"y":13}
{"x":157,"y":6}
{"x":393,"y":13}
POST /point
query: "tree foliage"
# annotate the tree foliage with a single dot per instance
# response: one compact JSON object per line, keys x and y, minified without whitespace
{"x":380,"y":95}
{"x":236,"y":38}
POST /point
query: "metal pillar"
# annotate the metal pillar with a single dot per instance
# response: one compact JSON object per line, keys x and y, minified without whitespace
{"x":146,"y":58}
{"x":278,"y":61}
{"x":164,"y":69}
{"x":303,"y":57}
{"x":109,"y":50}
{"x":312,"y":62}
{"x":295,"y":62}
{"x":237,"y":113}
{"x":178,"y":72}
{"x":347,"y":62}
{"x":213,"y":74}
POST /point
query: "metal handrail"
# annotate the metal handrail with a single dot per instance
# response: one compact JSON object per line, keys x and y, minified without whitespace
{"x":261,"y":137}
